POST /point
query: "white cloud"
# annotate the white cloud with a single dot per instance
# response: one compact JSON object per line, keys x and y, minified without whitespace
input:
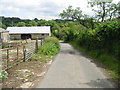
{"x":42,"y":9}
{"x":22,"y":2}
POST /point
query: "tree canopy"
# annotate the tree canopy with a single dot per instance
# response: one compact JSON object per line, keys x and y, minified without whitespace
{"x":70,"y":13}
{"x":105,"y":9}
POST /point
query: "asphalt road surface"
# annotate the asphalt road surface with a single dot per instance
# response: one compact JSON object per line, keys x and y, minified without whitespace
{"x":71,"y":69}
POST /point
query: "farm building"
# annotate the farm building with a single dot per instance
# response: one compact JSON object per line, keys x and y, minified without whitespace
{"x":17,"y":33}
{"x":4,"y":35}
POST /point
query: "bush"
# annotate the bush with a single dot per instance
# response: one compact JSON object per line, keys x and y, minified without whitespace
{"x":52,"y":40}
{"x":50,"y":47}
{"x":106,"y":36}
{"x":3,"y":75}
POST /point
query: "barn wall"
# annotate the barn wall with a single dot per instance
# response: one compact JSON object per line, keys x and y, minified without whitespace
{"x":4,"y":37}
{"x":34,"y":36}
{"x":15,"y":36}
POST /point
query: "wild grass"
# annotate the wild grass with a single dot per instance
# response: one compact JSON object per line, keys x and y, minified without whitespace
{"x":48,"y":50}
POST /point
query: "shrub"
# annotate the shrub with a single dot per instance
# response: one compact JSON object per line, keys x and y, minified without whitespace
{"x":3,"y":75}
{"x":52,"y":40}
{"x":106,"y":36}
{"x":50,"y":47}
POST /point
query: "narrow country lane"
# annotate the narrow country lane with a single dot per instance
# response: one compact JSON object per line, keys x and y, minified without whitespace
{"x":71,"y":69}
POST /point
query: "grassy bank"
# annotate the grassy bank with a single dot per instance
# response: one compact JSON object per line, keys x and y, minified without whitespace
{"x":49,"y":49}
{"x":107,"y":60}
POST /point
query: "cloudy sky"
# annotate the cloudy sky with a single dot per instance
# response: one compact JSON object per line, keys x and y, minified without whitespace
{"x":41,"y":9}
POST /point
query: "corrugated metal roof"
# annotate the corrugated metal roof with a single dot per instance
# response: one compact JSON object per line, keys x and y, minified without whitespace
{"x":28,"y":30}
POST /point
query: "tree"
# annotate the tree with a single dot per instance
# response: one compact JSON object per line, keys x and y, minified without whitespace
{"x":42,"y":23}
{"x":36,"y":19}
{"x":70,"y":13}
{"x":32,"y":23}
{"x":21,"y":24}
{"x":113,"y":10}
{"x":105,"y":9}
{"x":55,"y":30}
{"x":2,"y":25}
{"x":70,"y":24}
{"x":56,"y":27}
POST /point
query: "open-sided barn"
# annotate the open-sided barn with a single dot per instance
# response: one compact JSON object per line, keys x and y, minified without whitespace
{"x":4,"y":35}
{"x":17,"y":33}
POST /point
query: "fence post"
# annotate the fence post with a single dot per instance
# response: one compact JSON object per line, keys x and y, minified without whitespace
{"x":17,"y":53}
{"x":36,"y":46}
{"x":41,"y":41}
{"x":24,"y":53}
{"x":7,"y":57}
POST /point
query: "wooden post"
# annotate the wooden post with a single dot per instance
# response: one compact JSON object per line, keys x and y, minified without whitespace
{"x":24,"y":53}
{"x":7,"y":57}
{"x":41,"y":42}
{"x":36,"y":46}
{"x":17,"y":53}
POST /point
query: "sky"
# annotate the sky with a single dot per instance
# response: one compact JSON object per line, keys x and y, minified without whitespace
{"x":41,"y":9}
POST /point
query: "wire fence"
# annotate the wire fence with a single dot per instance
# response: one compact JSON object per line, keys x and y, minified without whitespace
{"x":20,"y":52}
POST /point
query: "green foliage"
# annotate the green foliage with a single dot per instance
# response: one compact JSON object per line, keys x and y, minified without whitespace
{"x":42,"y":23}
{"x":2,"y":25}
{"x":71,"y":13}
{"x":105,"y":9}
{"x":3,"y":75}
{"x":52,"y":40}
{"x":21,"y":24}
{"x":32,"y":23}
{"x":104,"y":37}
{"x":50,"y":47}
{"x":10,"y":21}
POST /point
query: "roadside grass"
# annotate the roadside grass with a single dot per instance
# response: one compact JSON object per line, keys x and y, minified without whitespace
{"x":41,"y":58}
{"x":108,"y":61}
{"x":48,"y":50}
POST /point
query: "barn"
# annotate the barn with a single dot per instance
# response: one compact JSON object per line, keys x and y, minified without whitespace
{"x":18,"y":33}
{"x":4,"y":35}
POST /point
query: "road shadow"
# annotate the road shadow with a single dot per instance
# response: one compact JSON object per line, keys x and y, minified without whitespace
{"x":102,"y":83}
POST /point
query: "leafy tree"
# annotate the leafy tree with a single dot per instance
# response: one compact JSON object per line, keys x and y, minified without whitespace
{"x":21,"y":24}
{"x":32,"y":23}
{"x":104,"y":9}
{"x":42,"y":23}
{"x":56,"y":29}
{"x":36,"y":19}
{"x":70,"y":24}
{"x":51,"y":23}
{"x":2,"y":25}
{"x":70,"y":13}
{"x":113,"y":10}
